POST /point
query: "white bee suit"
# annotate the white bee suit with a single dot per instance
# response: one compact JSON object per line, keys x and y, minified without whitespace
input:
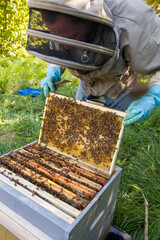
{"x":137,"y":43}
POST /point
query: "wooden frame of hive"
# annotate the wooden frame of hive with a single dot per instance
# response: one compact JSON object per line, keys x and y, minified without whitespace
{"x":61,"y":220}
{"x":100,"y":167}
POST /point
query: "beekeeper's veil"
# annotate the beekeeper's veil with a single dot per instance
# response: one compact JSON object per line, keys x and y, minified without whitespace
{"x":88,"y":54}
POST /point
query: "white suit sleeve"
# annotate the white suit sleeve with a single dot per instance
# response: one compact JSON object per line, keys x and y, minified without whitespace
{"x":155,"y":79}
{"x":53,"y":65}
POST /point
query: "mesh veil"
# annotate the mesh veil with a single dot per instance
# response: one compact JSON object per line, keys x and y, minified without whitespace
{"x":90,"y":54}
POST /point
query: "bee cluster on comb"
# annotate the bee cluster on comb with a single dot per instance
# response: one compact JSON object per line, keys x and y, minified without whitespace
{"x":82,"y":131}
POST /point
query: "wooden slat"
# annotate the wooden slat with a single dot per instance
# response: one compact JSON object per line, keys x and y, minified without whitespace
{"x":116,"y":151}
{"x":73,"y":165}
{"x":40,"y":135}
{"x":105,"y":109}
{"x":71,"y":211}
{"x":62,"y":180}
{"x":74,"y":161}
{"x":67,"y":195}
{"x":18,"y":226}
{"x":81,"y":179}
{"x":80,"y":163}
{"x":38,"y":200}
{"x":27,"y":152}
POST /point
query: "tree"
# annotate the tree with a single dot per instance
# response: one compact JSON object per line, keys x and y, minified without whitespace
{"x":155,"y":4}
{"x":14,"y":20}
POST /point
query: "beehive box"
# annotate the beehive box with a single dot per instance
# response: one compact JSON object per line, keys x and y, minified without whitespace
{"x":65,"y":185}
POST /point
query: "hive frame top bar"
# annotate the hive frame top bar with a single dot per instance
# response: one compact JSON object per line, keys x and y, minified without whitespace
{"x":6,"y":173}
{"x":104,"y":109}
{"x":52,"y":226}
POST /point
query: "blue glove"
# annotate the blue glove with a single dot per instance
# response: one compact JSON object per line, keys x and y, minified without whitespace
{"x":142,"y":108}
{"x":53,"y":76}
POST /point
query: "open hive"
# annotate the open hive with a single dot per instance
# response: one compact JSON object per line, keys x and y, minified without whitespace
{"x":57,"y":174}
{"x":68,"y":169}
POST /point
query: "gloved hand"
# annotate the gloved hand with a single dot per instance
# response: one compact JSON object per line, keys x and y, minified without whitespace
{"x":53,"y":76}
{"x":142,"y":108}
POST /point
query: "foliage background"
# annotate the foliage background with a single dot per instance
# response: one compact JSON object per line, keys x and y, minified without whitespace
{"x":14,"y":20}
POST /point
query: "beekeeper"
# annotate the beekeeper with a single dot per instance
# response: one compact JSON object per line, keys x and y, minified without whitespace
{"x":105,"y":43}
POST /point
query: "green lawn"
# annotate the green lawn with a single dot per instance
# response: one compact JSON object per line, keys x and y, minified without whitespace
{"x":20,"y":121}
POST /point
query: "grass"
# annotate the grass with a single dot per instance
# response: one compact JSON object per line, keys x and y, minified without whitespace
{"x":139,"y":157}
{"x":20,"y":117}
{"x":20,"y":121}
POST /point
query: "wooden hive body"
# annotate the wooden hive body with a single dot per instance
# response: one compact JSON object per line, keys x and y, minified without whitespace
{"x":38,"y":213}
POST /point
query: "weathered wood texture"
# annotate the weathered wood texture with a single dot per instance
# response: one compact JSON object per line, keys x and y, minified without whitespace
{"x":89,"y":225}
{"x":31,"y":190}
{"x":58,"y":175}
{"x":56,"y":211}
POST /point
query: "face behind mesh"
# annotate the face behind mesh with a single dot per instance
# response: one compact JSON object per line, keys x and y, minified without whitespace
{"x":41,"y":41}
